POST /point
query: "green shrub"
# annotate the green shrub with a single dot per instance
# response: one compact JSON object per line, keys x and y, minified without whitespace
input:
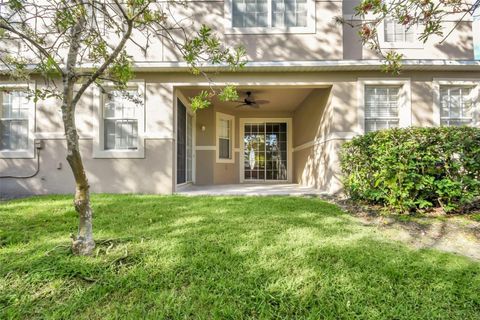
{"x":414,"y":168}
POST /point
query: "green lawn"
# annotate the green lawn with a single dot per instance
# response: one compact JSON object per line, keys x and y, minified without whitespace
{"x":221,"y":258}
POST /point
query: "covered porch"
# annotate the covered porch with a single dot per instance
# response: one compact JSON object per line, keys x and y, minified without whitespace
{"x":273,"y":141}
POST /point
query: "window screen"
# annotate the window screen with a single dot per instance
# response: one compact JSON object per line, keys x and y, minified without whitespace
{"x":274,"y":13}
{"x":381,"y":107}
{"x":120,"y":115}
{"x":250,"y":13}
{"x":224,"y":139}
{"x":289,"y":13}
{"x":396,"y":32}
{"x":14,"y":120}
{"x":456,"y":106}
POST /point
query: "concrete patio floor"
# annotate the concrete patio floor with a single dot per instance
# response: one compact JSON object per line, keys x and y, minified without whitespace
{"x":249,"y":190}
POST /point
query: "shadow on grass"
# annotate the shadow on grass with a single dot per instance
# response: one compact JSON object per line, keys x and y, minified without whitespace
{"x":221,"y":257}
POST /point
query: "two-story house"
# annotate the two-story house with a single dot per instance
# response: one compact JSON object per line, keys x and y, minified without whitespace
{"x":309,"y":86}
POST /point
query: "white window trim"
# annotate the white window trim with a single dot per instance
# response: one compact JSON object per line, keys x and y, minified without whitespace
{"x":416,"y":44}
{"x":437,"y":105}
{"x":289,"y":123}
{"x":405,"y":99}
{"x":229,"y":29}
{"x":28,"y":153}
{"x":224,"y":116}
{"x":98,"y":139}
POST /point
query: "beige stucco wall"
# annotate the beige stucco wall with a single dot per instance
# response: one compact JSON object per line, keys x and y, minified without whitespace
{"x":457,"y":46}
{"x":329,"y":41}
{"x":150,"y":175}
{"x":320,"y":124}
{"x":324,"y":43}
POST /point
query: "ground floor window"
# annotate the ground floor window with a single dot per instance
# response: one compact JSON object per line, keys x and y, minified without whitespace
{"x":120,"y":120}
{"x":224,"y":135}
{"x":381,"y":107}
{"x":456,"y":106}
{"x":14,"y":120}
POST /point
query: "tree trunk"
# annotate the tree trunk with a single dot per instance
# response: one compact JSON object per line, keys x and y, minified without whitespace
{"x":83,"y":243}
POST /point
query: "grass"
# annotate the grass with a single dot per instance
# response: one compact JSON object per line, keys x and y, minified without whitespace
{"x":221,"y":258}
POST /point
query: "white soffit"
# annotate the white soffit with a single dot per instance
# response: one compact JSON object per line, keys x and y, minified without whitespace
{"x":323,"y":65}
{"x":306,"y":66}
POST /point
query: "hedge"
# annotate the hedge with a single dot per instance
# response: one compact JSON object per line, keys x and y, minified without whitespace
{"x":414,"y":168}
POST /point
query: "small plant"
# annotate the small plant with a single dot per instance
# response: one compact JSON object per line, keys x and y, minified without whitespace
{"x":414,"y":168}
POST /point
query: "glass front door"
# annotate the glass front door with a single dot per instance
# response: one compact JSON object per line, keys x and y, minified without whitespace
{"x":265,"y":151}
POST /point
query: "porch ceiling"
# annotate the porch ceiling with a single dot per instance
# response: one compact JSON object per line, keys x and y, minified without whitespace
{"x":280,"y":99}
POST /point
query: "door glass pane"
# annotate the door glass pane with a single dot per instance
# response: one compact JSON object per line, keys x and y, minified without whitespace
{"x":189,"y":148}
{"x":181,"y":142}
{"x":254,"y":152}
{"x":265,"y":151}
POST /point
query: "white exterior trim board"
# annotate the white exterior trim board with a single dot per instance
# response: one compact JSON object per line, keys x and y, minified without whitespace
{"x":331,"y":137}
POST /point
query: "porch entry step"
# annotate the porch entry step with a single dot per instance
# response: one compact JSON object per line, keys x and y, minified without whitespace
{"x":249,"y":190}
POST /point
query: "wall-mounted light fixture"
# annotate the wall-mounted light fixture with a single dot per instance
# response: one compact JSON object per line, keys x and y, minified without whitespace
{"x":203,"y":127}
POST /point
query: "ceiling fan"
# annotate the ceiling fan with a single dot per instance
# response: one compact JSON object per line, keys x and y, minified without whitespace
{"x":250,"y":102}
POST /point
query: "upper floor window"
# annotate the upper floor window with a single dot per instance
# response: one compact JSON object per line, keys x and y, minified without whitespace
{"x":381,"y":107}
{"x":456,"y":106}
{"x":225,"y":130}
{"x":396,"y":35}
{"x":16,"y":123}
{"x":396,"y":32}
{"x":270,"y":16}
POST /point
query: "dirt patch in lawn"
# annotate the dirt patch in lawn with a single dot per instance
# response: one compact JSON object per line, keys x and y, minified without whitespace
{"x":454,"y":234}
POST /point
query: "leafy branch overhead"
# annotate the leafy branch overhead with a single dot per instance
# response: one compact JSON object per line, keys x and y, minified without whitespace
{"x":43,"y":30}
{"x":73,"y":45}
{"x":426,"y":16}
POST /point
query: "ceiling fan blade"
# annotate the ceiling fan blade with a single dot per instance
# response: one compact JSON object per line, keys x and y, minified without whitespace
{"x":254,"y":106}
{"x":262,"y":101}
{"x":241,"y":105}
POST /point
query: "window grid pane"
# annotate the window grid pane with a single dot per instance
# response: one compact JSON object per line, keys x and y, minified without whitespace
{"x":265,"y":151}
{"x":280,"y":14}
{"x":381,"y":107}
{"x":396,"y":32}
{"x":250,"y":13}
{"x":456,"y":106}
{"x":224,"y":138}
{"x":289,"y":13}
{"x":121,"y":120}
{"x":14,"y":120}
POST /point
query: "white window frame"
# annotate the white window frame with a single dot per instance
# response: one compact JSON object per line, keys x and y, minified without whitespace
{"x":223,"y":116}
{"x":28,"y":153}
{"x":416,"y":44}
{"x":229,"y":29}
{"x":98,"y":125}
{"x":289,"y":122}
{"x":179,"y":96}
{"x":469,"y":83}
{"x":404,"y":105}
